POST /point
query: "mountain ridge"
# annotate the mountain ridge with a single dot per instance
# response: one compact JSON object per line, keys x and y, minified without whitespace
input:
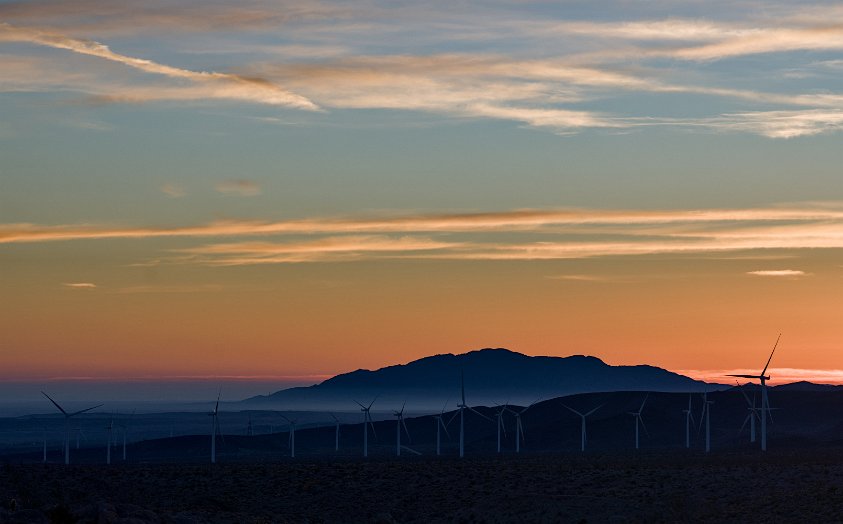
{"x":492,"y":376}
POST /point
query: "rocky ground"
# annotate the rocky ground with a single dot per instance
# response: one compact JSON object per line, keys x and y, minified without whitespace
{"x":668,"y":487}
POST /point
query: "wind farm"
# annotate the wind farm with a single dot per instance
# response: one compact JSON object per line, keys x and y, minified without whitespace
{"x":596,"y":440}
{"x":389,"y":262}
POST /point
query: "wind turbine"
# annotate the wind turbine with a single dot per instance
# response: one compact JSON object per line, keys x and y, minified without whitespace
{"x":291,"y":442}
{"x":67,"y":417}
{"x":367,"y":419}
{"x":215,"y":426}
{"x":765,"y":401}
{"x":519,"y":426}
{"x":463,"y":406}
{"x":125,"y":427}
{"x":583,"y":416}
{"x":399,"y":423}
{"x":689,"y":419}
{"x":79,"y":433}
{"x":706,"y":415}
{"x":753,"y":414}
{"x":110,"y":429}
{"x":499,"y":416}
{"x":440,"y":425}
{"x":337,"y":435}
{"x":639,"y":420}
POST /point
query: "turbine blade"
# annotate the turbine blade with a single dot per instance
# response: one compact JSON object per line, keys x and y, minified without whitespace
{"x":444,"y":427}
{"x":359,"y":404}
{"x":444,"y":406}
{"x":744,"y":423}
{"x":456,"y":412}
{"x":407,"y":431}
{"x":643,"y":402}
{"x":481,"y":414}
{"x":56,"y":404}
{"x":373,"y":401}
{"x":85,"y":410}
{"x":572,"y":409}
{"x":595,"y":409}
{"x":643,"y":425}
{"x":771,"y":355}
{"x":740,"y":388}
{"x":369,"y":418}
{"x":756,"y":377}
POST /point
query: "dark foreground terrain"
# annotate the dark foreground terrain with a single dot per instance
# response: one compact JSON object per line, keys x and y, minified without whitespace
{"x":670,"y":487}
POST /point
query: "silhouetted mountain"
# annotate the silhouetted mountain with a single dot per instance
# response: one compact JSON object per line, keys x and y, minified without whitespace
{"x":491,"y":376}
{"x":803,"y":385}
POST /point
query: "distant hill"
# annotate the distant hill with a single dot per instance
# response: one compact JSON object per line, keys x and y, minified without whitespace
{"x":807,"y":386}
{"x":491,"y":376}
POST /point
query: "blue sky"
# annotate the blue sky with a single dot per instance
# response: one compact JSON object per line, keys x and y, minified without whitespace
{"x":188,"y":156}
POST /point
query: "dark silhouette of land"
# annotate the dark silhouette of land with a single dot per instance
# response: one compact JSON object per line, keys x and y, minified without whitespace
{"x":647,"y":487}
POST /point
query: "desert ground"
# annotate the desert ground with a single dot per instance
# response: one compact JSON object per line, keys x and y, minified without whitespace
{"x":782,"y":486}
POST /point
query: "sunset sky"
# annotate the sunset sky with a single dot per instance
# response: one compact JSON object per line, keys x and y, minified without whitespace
{"x":282,"y":191}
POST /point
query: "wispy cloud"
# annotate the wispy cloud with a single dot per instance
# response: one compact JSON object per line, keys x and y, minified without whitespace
{"x":331,"y":249}
{"x":217,"y":85}
{"x":807,"y":226}
{"x":780,"y":124}
{"x":173,"y":190}
{"x":240,"y":187}
{"x":148,"y":289}
{"x":79,"y":285}
{"x":777,"y":273}
{"x":512,"y":235}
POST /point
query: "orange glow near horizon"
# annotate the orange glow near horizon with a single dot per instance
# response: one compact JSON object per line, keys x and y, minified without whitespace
{"x":328,"y":318}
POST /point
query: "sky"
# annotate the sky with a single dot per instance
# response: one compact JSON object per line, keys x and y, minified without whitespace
{"x":280,"y":191}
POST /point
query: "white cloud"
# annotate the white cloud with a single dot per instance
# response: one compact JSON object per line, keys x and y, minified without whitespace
{"x":240,"y":187}
{"x":777,"y":273}
{"x":79,"y":285}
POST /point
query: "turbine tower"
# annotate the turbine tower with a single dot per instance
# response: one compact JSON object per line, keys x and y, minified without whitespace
{"x":399,"y":424}
{"x":689,"y":419}
{"x":291,"y":438}
{"x":125,"y":427}
{"x":639,"y":420}
{"x":440,"y":425}
{"x":463,"y":406}
{"x":367,"y":421}
{"x":215,"y":426}
{"x":765,"y":401}
{"x":753,"y":414}
{"x":337,"y":433}
{"x":67,"y":417}
{"x":499,"y":417}
{"x":519,"y":426}
{"x":110,"y":429}
{"x":706,"y":415}
{"x":583,"y":416}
